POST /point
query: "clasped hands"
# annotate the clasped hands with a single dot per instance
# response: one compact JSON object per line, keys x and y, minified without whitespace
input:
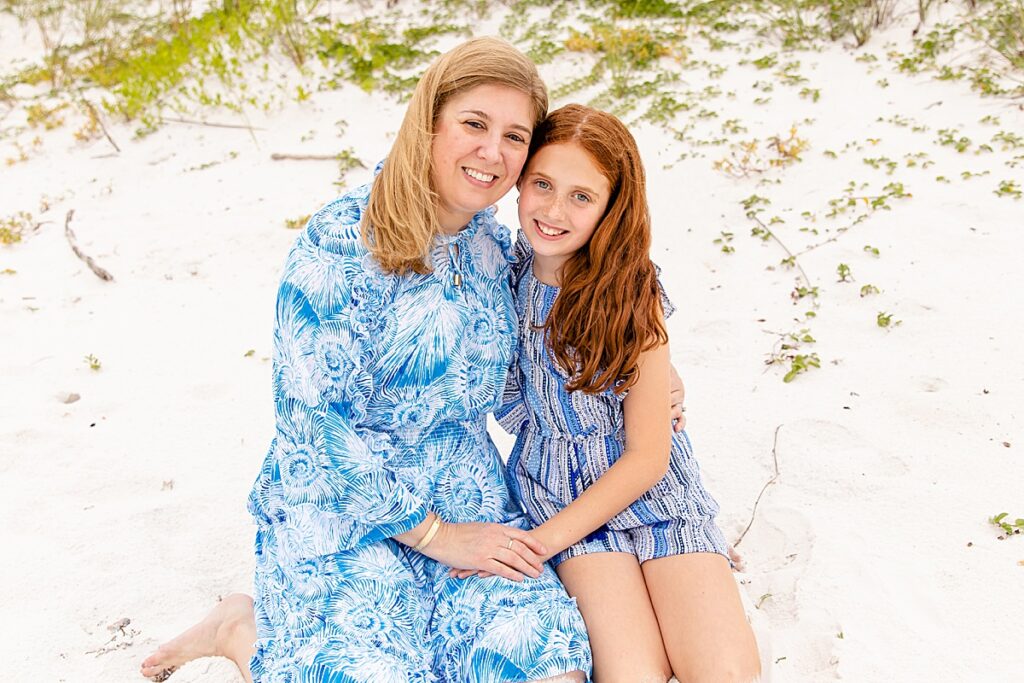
{"x":488,"y":549}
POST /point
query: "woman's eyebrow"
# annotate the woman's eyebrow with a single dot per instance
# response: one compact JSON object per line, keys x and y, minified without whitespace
{"x":486,"y":117}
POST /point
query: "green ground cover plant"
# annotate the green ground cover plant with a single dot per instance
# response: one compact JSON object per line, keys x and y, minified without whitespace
{"x":653,"y":62}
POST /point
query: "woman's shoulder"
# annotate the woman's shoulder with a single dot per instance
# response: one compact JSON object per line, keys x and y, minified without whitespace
{"x":337,"y":226}
{"x":486,"y":229}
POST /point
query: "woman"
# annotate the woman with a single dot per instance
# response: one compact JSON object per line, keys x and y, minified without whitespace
{"x":395,"y":327}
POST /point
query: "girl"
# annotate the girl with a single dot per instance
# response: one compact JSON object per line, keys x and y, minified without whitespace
{"x":615,"y":494}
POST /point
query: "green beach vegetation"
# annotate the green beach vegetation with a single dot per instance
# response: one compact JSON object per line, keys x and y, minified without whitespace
{"x":652,"y":62}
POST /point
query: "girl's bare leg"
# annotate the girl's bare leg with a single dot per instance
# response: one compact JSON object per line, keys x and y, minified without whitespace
{"x":612,"y":596}
{"x":705,"y":632}
{"x":571,"y":677}
{"x":229,"y":630}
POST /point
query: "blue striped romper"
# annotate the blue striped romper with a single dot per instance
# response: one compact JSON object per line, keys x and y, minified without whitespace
{"x":566,"y":440}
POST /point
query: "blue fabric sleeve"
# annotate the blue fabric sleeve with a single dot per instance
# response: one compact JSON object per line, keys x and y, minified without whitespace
{"x":666,"y":303}
{"x":511,"y":413}
{"x":334,"y":473}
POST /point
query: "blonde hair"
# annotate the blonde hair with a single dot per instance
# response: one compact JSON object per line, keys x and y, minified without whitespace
{"x":401,"y":219}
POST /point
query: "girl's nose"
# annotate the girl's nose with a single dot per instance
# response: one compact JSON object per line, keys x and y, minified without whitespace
{"x":556,"y":208}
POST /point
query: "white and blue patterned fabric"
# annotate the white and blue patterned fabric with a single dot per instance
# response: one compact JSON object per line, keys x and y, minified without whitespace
{"x":382,"y":384}
{"x":567,"y":440}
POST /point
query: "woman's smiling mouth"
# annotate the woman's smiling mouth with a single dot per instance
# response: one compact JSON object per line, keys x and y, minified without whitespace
{"x":479,"y":176}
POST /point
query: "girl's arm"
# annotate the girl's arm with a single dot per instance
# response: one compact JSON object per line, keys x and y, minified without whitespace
{"x":642,"y":464}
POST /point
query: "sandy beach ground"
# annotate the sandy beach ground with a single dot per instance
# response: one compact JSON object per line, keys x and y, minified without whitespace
{"x":870,"y":557}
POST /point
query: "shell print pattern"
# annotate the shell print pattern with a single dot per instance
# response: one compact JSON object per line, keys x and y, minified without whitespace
{"x":382,"y":384}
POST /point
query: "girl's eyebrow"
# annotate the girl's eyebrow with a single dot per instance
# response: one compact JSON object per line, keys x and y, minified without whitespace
{"x":486,"y":117}
{"x":584,"y":188}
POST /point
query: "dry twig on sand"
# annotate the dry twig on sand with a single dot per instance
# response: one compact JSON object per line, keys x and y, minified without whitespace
{"x":211,"y":124}
{"x":277,"y":156}
{"x":775,"y":475}
{"x":72,"y":240}
{"x":99,"y":121}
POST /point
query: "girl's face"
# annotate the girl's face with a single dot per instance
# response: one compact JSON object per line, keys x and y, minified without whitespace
{"x":481,"y":139}
{"x":562,"y":198}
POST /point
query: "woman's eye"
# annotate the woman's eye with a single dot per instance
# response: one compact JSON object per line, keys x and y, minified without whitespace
{"x":516,"y":138}
{"x":475,"y":124}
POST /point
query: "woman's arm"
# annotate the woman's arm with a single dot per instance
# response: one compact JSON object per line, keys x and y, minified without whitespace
{"x":494,"y":549}
{"x":642,"y":464}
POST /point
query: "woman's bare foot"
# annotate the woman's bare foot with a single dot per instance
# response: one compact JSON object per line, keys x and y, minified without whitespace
{"x":229,"y":630}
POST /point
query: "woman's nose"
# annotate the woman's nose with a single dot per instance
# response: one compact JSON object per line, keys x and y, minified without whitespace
{"x":490,"y":149}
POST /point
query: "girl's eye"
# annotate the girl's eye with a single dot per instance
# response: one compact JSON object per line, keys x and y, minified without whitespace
{"x":542,"y":184}
{"x":581,"y":197}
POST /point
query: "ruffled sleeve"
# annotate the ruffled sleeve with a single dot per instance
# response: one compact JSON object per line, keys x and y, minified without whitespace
{"x":666,"y":303}
{"x":522,"y":258}
{"x":511,"y":413}
{"x":327,"y":479}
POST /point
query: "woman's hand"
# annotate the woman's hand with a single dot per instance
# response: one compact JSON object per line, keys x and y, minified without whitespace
{"x":494,"y":549}
{"x":678,"y":393}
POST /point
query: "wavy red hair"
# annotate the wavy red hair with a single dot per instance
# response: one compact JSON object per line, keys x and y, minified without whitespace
{"x":608,"y":310}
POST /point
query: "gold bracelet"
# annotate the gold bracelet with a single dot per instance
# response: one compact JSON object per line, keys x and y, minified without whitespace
{"x":429,"y":536}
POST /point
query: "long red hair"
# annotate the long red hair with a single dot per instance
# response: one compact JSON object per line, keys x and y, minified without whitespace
{"x":608,"y":310}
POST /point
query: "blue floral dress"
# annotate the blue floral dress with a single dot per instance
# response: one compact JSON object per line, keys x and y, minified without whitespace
{"x":567,"y":439}
{"x":382,"y":384}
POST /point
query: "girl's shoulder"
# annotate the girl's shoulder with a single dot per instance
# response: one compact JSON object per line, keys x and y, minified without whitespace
{"x":521,"y":257}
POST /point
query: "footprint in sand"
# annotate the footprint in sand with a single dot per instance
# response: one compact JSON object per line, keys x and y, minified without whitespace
{"x":207,"y":670}
{"x":930,"y":384}
{"x":779,"y":544}
{"x":779,"y":549}
{"x":814,"y":454}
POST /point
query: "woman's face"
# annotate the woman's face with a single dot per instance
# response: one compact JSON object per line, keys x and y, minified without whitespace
{"x":480,"y":144}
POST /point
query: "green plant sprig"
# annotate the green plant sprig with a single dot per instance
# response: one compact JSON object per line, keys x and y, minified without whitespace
{"x":1010,"y":528}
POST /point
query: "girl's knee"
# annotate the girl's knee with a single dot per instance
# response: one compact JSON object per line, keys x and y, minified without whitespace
{"x":726,"y":672}
{"x":570,"y":677}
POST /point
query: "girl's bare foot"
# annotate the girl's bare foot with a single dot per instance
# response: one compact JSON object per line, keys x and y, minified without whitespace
{"x":737,"y":560}
{"x":229,"y":630}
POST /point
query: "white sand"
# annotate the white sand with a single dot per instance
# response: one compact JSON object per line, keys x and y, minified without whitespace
{"x":870,"y":559}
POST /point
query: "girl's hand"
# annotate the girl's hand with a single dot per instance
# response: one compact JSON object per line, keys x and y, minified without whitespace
{"x":496,"y":549}
{"x":466,"y":573}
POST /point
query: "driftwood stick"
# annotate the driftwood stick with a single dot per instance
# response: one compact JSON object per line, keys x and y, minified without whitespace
{"x":775,"y":461}
{"x":72,"y":240}
{"x":211,"y":124}
{"x":96,"y":115}
{"x":277,"y":156}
